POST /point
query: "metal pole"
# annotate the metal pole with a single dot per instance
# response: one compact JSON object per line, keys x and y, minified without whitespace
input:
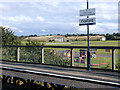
{"x":113,"y":59}
{"x":88,"y":52}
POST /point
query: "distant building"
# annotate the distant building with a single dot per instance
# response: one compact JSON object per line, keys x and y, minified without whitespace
{"x":59,"y":39}
{"x":103,"y":38}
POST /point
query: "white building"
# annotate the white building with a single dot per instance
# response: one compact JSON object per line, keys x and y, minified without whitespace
{"x":59,"y":39}
{"x":103,"y":39}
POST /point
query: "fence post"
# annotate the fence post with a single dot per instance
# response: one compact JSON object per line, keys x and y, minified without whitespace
{"x":42,"y":55}
{"x":18,"y":54}
{"x":113,"y":59}
{"x":72,"y":57}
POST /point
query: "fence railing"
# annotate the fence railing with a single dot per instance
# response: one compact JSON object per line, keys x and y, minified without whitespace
{"x":71,"y":48}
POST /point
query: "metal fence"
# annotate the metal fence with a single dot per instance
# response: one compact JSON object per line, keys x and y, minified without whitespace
{"x":104,"y":57}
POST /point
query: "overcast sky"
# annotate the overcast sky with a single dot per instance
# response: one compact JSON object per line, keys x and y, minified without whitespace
{"x":42,"y":18}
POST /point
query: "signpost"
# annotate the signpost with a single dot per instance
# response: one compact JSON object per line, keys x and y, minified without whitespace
{"x":88,"y":21}
{"x":87,"y":12}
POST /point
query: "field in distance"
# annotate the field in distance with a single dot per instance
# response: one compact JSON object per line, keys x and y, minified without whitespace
{"x":81,"y":43}
{"x":56,"y":40}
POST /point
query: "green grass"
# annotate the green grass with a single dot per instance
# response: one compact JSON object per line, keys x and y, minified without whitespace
{"x":99,"y":60}
{"x":83,"y":43}
{"x":97,"y":43}
{"x":23,"y":42}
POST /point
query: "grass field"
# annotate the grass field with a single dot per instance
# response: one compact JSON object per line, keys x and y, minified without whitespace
{"x":83,"y":43}
{"x":99,"y":62}
{"x":92,"y":43}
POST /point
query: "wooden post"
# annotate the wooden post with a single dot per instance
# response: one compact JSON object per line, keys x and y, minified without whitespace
{"x":42,"y":55}
{"x":113,"y":59}
{"x":72,"y":57}
{"x":18,"y":50}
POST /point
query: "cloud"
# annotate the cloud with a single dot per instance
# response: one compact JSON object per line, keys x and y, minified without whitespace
{"x":82,"y":28}
{"x":108,"y":17}
{"x":39,"y":18}
{"x":92,"y":29}
{"x":20,"y":31}
{"x":105,"y":8}
{"x":54,"y":3}
{"x":43,"y":30}
{"x":111,"y":26}
{"x":14,"y":29}
{"x":97,"y":29}
{"x":77,"y":16}
{"x":3,"y":7}
{"x":17,"y":19}
{"x":22,"y":19}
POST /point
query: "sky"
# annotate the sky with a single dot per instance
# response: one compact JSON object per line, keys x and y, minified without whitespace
{"x":57,"y":17}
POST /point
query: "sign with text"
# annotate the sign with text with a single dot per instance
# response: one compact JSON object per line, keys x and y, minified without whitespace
{"x":87,"y":21}
{"x":87,"y":12}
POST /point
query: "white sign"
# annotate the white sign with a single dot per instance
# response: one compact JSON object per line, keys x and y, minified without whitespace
{"x":87,"y":12}
{"x":87,"y":21}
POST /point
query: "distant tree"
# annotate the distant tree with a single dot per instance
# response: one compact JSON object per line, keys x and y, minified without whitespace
{"x":102,"y":34}
{"x":58,"y":34}
{"x":83,"y":34}
{"x":114,"y":34}
{"x":32,"y":35}
{"x":22,"y":38}
{"x":35,"y":35}
{"x":8,"y":37}
{"x":67,"y":35}
{"x":110,"y":36}
{"x":107,"y":34}
{"x":50,"y":34}
{"x":118,"y":34}
{"x":74,"y":35}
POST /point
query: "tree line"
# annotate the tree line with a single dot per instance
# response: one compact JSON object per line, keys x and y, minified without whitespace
{"x":114,"y":36}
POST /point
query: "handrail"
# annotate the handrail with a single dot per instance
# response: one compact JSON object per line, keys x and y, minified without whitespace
{"x":70,"y":47}
{"x":93,"y":47}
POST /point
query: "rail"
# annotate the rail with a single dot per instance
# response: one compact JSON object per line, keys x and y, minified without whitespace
{"x":113,"y":48}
